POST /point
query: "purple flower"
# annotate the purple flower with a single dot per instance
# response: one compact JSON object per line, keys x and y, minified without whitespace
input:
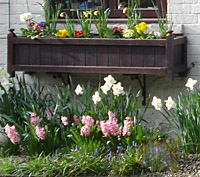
{"x":76,"y":148}
{"x":134,"y":144}
{"x":109,"y":159}
{"x":137,"y":150}
{"x":128,"y":148}
{"x":157,"y":150}
{"x":95,"y":153}
{"x":50,"y":157}
{"x":56,"y":153}
{"x":110,"y":156}
{"x":42,"y":24}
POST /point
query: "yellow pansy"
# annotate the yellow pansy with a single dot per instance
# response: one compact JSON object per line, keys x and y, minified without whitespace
{"x":62,"y":33}
{"x":141,"y":27}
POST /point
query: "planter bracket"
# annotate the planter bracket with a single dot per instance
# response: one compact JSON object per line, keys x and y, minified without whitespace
{"x":142,"y":85}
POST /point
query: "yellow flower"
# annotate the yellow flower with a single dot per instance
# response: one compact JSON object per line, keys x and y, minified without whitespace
{"x":137,"y":27}
{"x":62,"y":14}
{"x":62,"y":33}
{"x":124,"y":10}
{"x":141,"y":27}
{"x":95,"y":12}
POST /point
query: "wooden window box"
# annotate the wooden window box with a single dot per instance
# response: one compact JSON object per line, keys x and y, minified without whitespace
{"x":94,"y":55}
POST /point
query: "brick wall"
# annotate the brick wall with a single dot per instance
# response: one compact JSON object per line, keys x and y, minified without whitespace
{"x":183,"y":13}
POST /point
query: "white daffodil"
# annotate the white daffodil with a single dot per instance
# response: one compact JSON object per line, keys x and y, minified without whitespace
{"x":79,"y":90}
{"x":157,"y":103}
{"x":170,"y":103}
{"x":96,"y":98}
{"x":191,"y":83}
{"x":118,"y":89}
{"x":106,"y":87}
{"x":1,"y":92}
{"x":24,"y":17}
{"x":110,"y":80}
{"x":5,"y":75}
{"x":6,"y":84}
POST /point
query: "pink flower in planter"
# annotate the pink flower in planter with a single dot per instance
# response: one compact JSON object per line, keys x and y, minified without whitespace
{"x":12,"y":134}
{"x":40,"y":132}
{"x":34,"y":120}
{"x":85,"y":131}
{"x":64,"y":120}
{"x":87,"y":120}
{"x":76,"y":119}
{"x":127,"y":125}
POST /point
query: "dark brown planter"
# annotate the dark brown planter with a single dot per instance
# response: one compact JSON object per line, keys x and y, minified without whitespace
{"x":126,"y":56}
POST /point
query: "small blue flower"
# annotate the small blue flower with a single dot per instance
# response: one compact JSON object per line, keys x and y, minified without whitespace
{"x":42,"y":24}
{"x":128,"y":148}
{"x":110,"y":158}
{"x":56,"y":153}
{"x":120,"y":147}
{"x":76,"y":148}
{"x":134,"y":144}
{"x":156,"y":149}
{"x":96,"y":151}
{"x":137,"y":150}
{"x":50,"y":157}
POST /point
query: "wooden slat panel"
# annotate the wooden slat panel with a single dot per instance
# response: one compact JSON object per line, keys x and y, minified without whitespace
{"x":68,"y":55}
{"x":91,"y":57}
{"x":46,"y":54}
{"x":34,"y":55}
{"x":149,"y":56}
{"x":160,"y":56}
{"x":102,"y":55}
{"x":125,"y":56}
{"x":137,"y":56}
{"x":113,"y":56}
{"x":57,"y":55}
{"x":79,"y":55}
{"x":178,"y":55}
{"x":21,"y":54}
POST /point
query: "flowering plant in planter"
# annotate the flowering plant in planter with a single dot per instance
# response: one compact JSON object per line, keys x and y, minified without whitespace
{"x":135,"y":27}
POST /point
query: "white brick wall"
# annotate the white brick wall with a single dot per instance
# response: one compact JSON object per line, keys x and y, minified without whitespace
{"x":185,"y":15}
